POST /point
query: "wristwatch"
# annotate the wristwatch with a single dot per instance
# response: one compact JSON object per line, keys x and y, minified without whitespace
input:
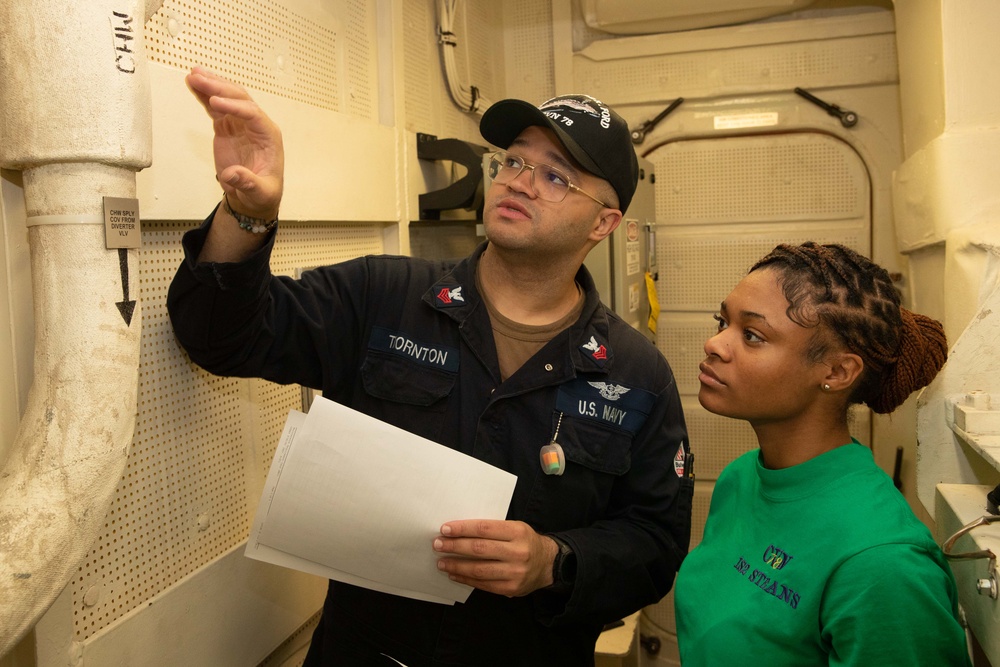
{"x":563,"y":567}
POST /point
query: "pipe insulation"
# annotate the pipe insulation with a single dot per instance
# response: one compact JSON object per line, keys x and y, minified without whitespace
{"x":75,"y":116}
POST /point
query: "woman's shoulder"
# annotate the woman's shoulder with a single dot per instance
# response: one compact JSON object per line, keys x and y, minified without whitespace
{"x":870,"y":506}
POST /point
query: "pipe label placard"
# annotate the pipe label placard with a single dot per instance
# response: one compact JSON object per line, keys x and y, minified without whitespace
{"x":121,"y":223}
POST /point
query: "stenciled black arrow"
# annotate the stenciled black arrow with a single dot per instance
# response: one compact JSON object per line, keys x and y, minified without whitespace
{"x":125,"y":307}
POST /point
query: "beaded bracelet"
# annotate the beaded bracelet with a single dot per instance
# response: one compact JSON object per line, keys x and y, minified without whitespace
{"x":252,"y":225}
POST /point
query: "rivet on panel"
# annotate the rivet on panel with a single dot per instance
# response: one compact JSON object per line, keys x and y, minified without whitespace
{"x":203,"y":522}
{"x":280,"y":54}
{"x":92,"y":596}
{"x":173,"y":24}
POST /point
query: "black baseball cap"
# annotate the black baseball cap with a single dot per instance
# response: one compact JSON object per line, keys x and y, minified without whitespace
{"x":593,"y":133}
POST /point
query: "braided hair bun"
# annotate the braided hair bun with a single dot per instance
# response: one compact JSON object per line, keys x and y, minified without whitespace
{"x":923,"y":350}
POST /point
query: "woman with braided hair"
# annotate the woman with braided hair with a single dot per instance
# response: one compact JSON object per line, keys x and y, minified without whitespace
{"x":810,"y":555}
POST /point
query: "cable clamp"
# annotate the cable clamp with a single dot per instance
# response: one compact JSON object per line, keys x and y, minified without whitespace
{"x":447,"y":37}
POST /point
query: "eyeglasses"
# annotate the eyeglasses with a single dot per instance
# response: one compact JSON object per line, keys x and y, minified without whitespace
{"x":547,"y":182}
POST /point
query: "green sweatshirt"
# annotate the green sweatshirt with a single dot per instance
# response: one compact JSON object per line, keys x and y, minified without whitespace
{"x":822,"y":563}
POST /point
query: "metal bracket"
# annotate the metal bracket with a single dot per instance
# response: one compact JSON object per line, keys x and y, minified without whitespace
{"x":467,"y":191}
{"x":847,"y":118}
{"x":639,"y":133}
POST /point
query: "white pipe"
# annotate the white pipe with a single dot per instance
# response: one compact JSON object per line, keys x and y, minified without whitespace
{"x":75,"y":116}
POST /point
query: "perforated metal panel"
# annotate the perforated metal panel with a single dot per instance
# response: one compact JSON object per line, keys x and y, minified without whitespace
{"x":420,"y":79}
{"x":716,"y":440}
{"x":528,"y":50}
{"x":723,"y":203}
{"x":681,"y":337}
{"x":315,"y":58}
{"x":698,"y":268}
{"x":360,"y":60}
{"x":478,"y":28}
{"x":202,"y":443}
{"x":774,"y":178}
{"x":485,"y":25}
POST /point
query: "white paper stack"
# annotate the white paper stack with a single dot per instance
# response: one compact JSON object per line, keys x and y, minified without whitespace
{"x":351,"y":498}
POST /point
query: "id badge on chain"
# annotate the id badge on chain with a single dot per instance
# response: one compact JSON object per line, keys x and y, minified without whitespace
{"x":552,"y":457}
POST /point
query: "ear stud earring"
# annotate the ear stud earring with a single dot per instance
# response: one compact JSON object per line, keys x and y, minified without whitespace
{"x":826,"y":387}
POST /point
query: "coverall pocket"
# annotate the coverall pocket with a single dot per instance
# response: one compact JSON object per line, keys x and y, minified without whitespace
{"x":596,"y":446}
{"x":394,"y":379}
{"x":596,"y":457}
